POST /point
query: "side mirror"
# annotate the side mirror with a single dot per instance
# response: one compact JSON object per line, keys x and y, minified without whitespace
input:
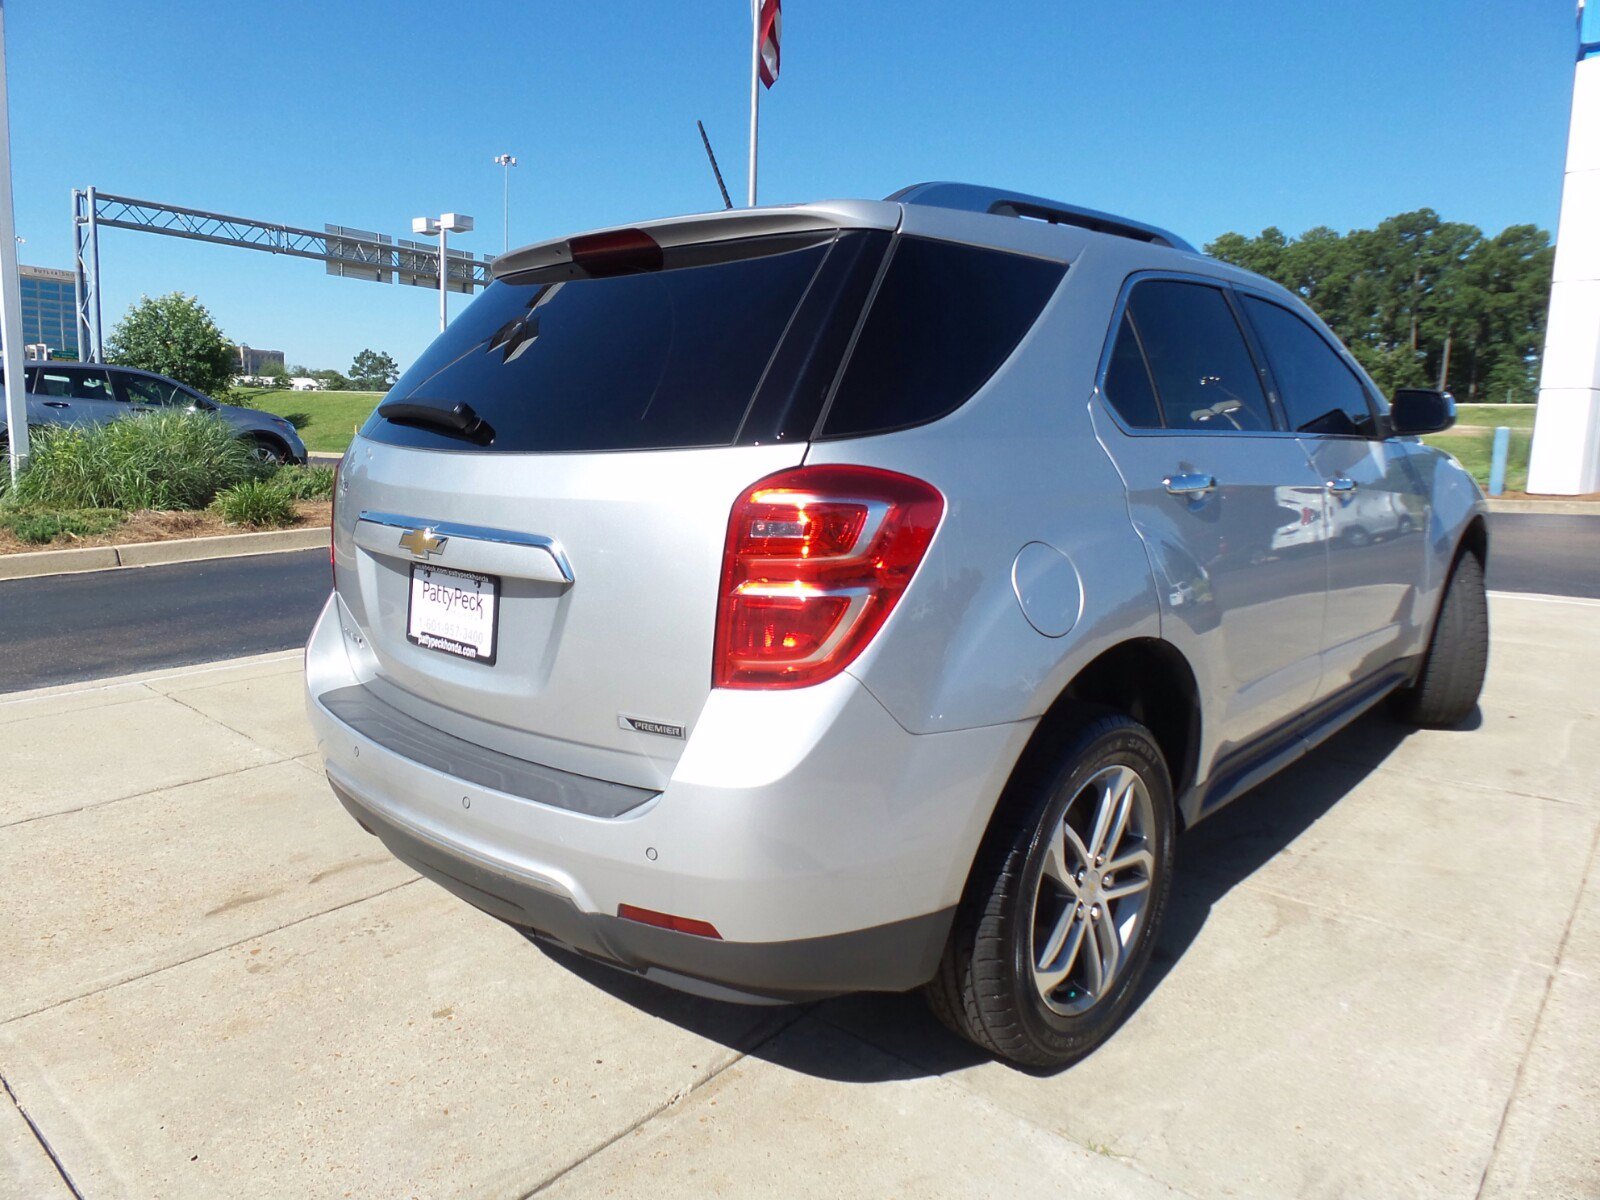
{"x":1415,"y":411}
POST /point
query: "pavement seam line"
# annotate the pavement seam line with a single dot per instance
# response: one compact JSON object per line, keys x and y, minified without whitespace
{"x":196,"y":957}
{"x":218,"y":721}
{"x":672,"y":1101}
{"x":950,"y":1080}
{"x":1334,"y":912}
{"x":1538,"y":1020}
{"x":44,"y":1142}
{"x":165,"y":787}
{"x":15,"y":716}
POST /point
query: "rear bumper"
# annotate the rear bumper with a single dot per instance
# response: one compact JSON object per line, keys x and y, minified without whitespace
{"x":826,"y":844}
{"x":891,"y":957}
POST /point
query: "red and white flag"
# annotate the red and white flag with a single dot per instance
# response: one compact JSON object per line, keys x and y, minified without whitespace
{"x":769,"y":25}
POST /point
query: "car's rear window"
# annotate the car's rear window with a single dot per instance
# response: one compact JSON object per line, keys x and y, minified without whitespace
{"x":745,"y":350}
{"x":629,"y":362}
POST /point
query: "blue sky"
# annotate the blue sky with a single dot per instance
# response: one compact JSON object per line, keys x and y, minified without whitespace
{"x":1204,"y":117}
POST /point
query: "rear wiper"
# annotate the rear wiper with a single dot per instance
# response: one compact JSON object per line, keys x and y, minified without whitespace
{"x":458,"y":420}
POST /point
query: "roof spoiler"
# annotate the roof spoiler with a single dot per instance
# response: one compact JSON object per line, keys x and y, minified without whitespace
{"x":704,"y":229}
{"x":969,"y":197}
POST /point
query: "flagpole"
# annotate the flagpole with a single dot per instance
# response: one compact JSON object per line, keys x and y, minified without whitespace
{"x":755,"y":89}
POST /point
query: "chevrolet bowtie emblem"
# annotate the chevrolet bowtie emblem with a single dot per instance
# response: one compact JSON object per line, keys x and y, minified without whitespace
{"x":423,"y":543}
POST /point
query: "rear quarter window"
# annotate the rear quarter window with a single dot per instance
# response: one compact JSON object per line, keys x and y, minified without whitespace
{"x":944,"y":319}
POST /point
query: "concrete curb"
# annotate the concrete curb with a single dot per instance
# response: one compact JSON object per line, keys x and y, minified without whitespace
{"x":145,"y":554}
{"x":323,"y":458}
{"x":158,"y":675}
{"x":1563,"y":508}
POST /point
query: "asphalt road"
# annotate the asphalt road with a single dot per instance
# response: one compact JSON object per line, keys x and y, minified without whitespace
{"x":1558,"y":556}
{"x":64,"y":628}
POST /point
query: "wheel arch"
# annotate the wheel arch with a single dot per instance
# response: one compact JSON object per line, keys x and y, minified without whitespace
{"x":1474,"y":541}
{"x":1145,"y":678}
{"x":266,"y":438}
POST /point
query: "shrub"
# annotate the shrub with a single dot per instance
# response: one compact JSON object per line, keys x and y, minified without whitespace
{"x":257,"y":502}
{"x":305,"y":483}
{"x":38,"y":526}
{"x":167,"y":460}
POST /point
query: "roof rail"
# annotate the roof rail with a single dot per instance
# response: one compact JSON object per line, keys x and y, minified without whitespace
{"x":970,"y":197}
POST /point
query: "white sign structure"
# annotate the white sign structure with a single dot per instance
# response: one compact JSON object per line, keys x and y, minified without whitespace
{"x":15,"y":408}
{"x":1566,"y":435}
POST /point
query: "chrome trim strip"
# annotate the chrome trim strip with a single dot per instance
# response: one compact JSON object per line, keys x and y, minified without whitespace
{"x":474,"y":533}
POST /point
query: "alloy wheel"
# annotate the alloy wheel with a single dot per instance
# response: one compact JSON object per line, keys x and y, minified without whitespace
{"x":1093,"y":890}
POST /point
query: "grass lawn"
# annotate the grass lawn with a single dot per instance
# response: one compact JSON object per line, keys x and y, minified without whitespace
{"x":330,"y":418}
{"x":1517,"y":416}
{"x":1474,"y":450}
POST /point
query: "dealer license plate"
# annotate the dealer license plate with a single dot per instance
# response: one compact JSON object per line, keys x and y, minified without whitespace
{"x":454,"y":612}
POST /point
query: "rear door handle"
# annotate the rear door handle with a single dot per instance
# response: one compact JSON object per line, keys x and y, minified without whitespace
{"x":141,"y":408}
{"x":1191,"y":484}
{"x":1341,"y":485}
{"x":55,"y":404}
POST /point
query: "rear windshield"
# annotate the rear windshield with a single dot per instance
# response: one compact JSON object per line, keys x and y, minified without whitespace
{"x":719,"y":353}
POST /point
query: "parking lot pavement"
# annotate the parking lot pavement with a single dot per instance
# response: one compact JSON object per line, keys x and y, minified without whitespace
{"x":1379,"y":977}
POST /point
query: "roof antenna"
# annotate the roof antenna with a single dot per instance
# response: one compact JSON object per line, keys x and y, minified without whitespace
{"x":715,"y":170}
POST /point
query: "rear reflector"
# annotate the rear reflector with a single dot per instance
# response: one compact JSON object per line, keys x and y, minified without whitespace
{"x":661,"y":920}
{"x":815,"y":560}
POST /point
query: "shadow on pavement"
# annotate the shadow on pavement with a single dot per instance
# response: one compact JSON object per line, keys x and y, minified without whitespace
{"x":902,"y":1039}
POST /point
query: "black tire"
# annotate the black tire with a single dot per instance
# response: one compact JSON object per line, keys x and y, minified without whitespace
{"x":985,"y":987}
{"x":1447,"y":688}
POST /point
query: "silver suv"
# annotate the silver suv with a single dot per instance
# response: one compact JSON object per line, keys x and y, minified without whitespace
{"x":862,"y":595}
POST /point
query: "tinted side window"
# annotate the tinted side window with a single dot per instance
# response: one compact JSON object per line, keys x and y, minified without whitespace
{"x":1203,"y":372}
{"x":140,"y":390}
{"x":1127,"y":384}
{"x":944,"y":319}
{"x":1319,"y":393}
{"x":68,"y":383}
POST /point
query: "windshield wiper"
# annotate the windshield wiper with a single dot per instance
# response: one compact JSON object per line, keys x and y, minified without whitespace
{"x":459,"y":420}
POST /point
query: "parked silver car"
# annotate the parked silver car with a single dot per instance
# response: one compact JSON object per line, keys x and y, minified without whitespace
{"x":79,"y":393}
{"x":863,"y":595}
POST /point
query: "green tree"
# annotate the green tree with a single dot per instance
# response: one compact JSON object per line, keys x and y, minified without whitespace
{"x":1420,"y":301}
{"x":373,"y":371}
{"x":174,"y":335}
{"x":277,"y":373}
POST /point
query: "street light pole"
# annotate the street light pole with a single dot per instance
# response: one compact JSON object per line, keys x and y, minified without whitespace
{"x":444,"y":277}
{"x":755,"y":90}
{"x":443,"y":225}
{"x":506,"y":162}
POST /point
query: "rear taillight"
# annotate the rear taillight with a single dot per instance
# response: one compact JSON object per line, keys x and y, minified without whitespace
{"x":815,"y":560}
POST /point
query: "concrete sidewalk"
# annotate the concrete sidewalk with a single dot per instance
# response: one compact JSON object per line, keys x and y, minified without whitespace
{"x":1380,"y":977}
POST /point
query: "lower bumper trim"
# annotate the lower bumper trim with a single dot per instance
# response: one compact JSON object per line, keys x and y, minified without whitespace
{"x":890,"y":958}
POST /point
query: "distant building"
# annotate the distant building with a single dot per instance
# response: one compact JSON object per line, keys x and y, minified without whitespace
{"x":49,"y":312}
{"x":254,"y":362}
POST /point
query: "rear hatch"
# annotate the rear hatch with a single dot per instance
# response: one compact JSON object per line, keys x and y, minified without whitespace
{"x":530,"y":529}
